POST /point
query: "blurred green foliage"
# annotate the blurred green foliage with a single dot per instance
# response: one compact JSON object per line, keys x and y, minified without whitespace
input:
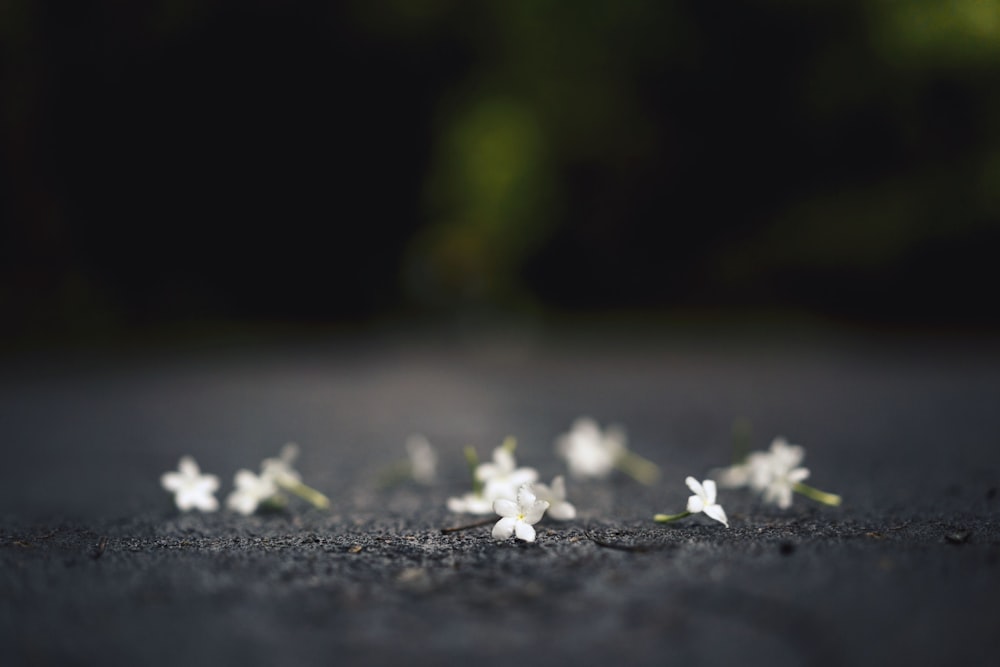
{"x":833,"y":155}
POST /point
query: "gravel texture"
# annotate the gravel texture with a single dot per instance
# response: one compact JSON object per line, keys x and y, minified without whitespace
{"x":96,"y":567}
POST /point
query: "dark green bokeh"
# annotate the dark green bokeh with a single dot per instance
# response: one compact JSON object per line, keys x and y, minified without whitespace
{"x":303,"y":162}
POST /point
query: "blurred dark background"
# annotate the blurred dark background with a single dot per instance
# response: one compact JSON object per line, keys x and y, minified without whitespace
{"x":201,"y":163}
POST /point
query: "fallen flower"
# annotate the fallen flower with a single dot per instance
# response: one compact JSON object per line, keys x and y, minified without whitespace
{"x":285,"y":476}
{"x":591,"y":453}
{"x":518,"y":517}
{"x":251,"y":492}
{"x":776,"y":473}
{"x":703,"y":500}
{"x":470,"y":503}
{"x":191,"y":489}
{"x":555,"y":495}
{"x":502,"y":477}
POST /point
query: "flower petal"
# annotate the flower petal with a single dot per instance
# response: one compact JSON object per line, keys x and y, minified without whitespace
{"x":695,"y":486}
{"x":188,"y":467}
{"x":558,"y":488}
{"x":797,"y":475}
{"x":562,"y":511}
{"x":504,"y":528}
{"x":524,"y":531}
{"x":506,"y":507}
{"x":533,"y":514}
{"x":710,"y":491}
{"x":717,"y":513}
{"x":172,"y":481}
{"x":526,"y":497}
{"x":695,"y":504}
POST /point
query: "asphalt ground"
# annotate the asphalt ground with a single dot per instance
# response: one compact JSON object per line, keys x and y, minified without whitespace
{"x":98,"y":568}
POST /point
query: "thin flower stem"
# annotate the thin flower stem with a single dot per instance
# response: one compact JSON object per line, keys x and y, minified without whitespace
{"x":664,"y":518}
{"x":468,"y":526}
{"x":509,"y":443}
{"x":638,"y":468}
{"x":309,"y":494}
{"x":831,"y":499}
{"x":472,"y":459}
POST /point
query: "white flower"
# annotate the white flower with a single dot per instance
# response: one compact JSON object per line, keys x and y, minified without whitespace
{"x":502,"y":477}
{"x":423,"y":460}
{"x":470,"y":503}
{"x":191,"y":489}
{"x":703,"y":500}
{"x":555,"y":496}
{"x":783,"y":473}
{"x":589,"y":452}
{"x":251,"y":490}
{"x":775,"y":473}
{"x":518,"y":516}
{"x":280,"y":469}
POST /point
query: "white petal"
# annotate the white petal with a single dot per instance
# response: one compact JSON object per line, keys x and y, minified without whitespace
{"x":207,"y":503}
{"x":523,"y":476}
{"x":242,"y":502}
{"x":798,"y":475}
{"x":504,"y":460}
{"x":717,"y":513}
{"x":188,"y":467}
{"x":562,"y":511}
{"x":534,"y":513}
{"x":558,"y":488}
{"x":172,"y":481}
{"x":710,"y":491}
{"x":289,"y":452}
{"x":244,"y":479}
{"x":504,"y":528}
{"x":695,"y":504}
{"x":524,"y":531}
{"x":456,"y":505}
{"x":526,"y":497}
{"x":487,"y":471}
{"x":506,"y":507}
{"x":695,"y":486}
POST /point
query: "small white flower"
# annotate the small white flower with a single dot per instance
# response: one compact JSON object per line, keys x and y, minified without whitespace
{"x":589,"y":452}
{"x":470,"y":503}
{"x":518,"y":517}
{"x":423,"y":460}
{"x":555,"y":496}
{"x":775,"y":473}
{"x":251,"y":490}
{"x":191,"y":489}
{"x":280,"y":469}
{"x":703,"y":500}
{"x":502,"y":477}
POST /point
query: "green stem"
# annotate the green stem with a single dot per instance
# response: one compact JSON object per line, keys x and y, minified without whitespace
{"x":472,"y":459}
{"x":831,"y":499}
{"x":664,"y":518}
{"x":509,"y":443}
{"x":638,"y":468}
{"x":309,"y":494}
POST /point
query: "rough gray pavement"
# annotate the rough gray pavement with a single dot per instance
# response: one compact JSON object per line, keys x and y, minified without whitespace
{"x":96,"y":567}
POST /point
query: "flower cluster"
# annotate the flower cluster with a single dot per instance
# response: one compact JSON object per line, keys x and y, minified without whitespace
{"x":192,"y":490}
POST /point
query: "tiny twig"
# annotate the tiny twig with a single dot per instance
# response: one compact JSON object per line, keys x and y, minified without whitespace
{"x":477,"y":524}
{"x":98,"y":551}
{"x":638,"y":548}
